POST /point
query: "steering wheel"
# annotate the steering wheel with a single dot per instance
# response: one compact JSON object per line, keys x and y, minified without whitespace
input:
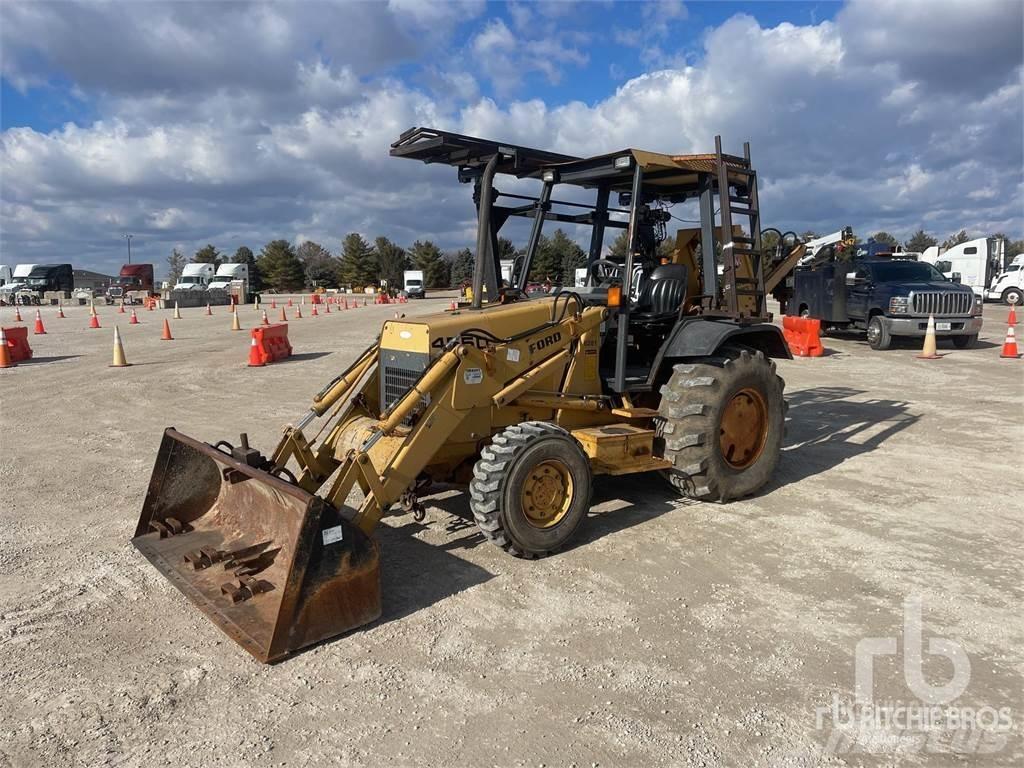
{"x":604,"y":270}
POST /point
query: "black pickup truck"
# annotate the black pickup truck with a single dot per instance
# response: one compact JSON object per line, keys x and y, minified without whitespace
{"x":887,"y":297}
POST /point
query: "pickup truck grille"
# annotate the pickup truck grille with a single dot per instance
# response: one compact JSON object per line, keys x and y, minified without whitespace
{"x":942,"y":303}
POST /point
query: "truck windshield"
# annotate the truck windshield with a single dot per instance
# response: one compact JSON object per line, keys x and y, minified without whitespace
{"x":906,"y":271}
{"x":413,"y":283}
{"x":190,"y":279}
{"x":128,"y":282}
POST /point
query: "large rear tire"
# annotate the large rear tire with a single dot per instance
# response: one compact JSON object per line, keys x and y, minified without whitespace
{"x":531,"y":489}
{"x":721,"y":422}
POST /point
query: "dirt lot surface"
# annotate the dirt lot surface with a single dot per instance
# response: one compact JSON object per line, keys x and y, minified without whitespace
{"x":671,"y":633}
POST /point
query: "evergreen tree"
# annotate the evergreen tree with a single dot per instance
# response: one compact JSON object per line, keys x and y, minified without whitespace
{"x":462,"y":267}
{"x":207,"y":255}
{"x":885,"y":237}
{"x":920,"y":241}
{"x":569,"y":255}
{"x":317,"y":264}
{"x":547,"y":264}
{"x":619,"y":245}
{"x":506,"y":249}
{"x":428,"y":257}
{"x":279,"y":267}
{"x":358,"y":264}
{"x":244,"y":255}
{"x":392,"y":262}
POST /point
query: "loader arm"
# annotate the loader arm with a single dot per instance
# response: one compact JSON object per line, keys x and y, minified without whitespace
{"x":462,"y":379}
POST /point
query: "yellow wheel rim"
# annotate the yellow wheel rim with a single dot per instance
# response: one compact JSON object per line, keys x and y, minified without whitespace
{"x":744,"y":428}
{"x":547,"y":494}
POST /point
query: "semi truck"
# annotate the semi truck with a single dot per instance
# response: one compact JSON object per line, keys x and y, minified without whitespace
{"x":413,"y":280}
{"x":29,"y":282}
{"x":977,"y":261}
{"x":10,"y":290}
{"x":195,"y":277}
{"x":134,"y":283}
{"x":231,"y":273}
{"x":1008,"y":285}
{"x":887,"y":297}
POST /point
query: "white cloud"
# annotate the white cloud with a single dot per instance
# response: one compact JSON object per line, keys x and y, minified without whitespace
{"x":845,"y":129}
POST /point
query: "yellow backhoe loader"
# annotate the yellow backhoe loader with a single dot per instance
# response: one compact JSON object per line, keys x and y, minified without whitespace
{"x":661,"y":363}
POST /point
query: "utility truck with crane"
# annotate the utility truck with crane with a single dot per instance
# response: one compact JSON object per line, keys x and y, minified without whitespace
{"x":650,"y":367}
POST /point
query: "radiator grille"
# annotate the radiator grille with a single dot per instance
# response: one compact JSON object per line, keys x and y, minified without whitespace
{"x":942,"y":303}
{"x":397,"y":381}
{"x":398,"y":372}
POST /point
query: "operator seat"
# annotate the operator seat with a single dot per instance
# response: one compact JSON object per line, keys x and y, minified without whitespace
{"x":662,"y":294}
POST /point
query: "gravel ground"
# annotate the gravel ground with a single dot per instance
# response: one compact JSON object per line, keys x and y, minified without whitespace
{"x":670,"y":633}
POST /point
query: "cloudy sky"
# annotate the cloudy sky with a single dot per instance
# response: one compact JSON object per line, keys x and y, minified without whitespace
{"x":235,"y":123}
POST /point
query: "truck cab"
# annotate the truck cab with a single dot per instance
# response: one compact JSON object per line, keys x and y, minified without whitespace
{"x":229,"y":273}
{"x":195,"y":277}
{"x":888,"y":297}
{"x":49,"y":277}
{"x":1008,"y":285}
{"x":134,"y":281}
{"x":414,"y":288}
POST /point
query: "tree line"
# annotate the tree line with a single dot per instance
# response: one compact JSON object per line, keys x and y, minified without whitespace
{"x":280,"y":266}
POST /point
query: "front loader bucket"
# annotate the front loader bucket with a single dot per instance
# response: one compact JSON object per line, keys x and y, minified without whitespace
{"x":275,"y":567}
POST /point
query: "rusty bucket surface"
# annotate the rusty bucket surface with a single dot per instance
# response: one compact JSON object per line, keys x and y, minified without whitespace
{"x":275,"y":567}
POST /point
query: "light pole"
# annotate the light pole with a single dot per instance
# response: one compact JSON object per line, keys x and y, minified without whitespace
{"x":129,"y":239}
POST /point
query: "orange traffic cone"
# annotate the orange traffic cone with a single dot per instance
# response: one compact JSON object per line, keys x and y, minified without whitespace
{"x":453,"y":306}
{"x":94,"y":321}
{"x":119,"y":360}
{"x":60,"y":311}
{"x":928,"y":350}
{"x":151,"y":305}
{"x":265,"y":320}
{"x":284,"y":317}
{"x":345,"y":305}
{"x":17,"y":314}
{"x":177,"y":312}
{"x":120,"y":309}
{"x":314,"y":313}
{"x":327,"y":308}
{"x":1010,"y":344}
{"x":1012,"y":317}
{"x":273,"y":303}
{"x":134,"y":319}
{"x":5,"y":353}
{"x":235,"y":324}
{"x":289,"y":302}
{"x":208,"y":310}
{"x":255,"y":359}
{"x":166,"y":334}
{"x":298,"y":313}
{"x":39,"y":330}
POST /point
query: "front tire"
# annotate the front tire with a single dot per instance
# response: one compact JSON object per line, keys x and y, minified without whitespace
{"x":1013,"y":296}
{"x":721,"y":422}
{"x":531,"y":489}
{"x":878,"y":334}
{"x":965,"y":342}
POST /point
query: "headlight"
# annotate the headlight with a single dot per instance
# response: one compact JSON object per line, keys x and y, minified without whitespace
{"x":898,"y":305}
{"x":979,"y":305}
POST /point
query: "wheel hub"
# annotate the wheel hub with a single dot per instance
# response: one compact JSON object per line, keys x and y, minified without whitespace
{"x":547,"y":494}
{"x":744,"y":428}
